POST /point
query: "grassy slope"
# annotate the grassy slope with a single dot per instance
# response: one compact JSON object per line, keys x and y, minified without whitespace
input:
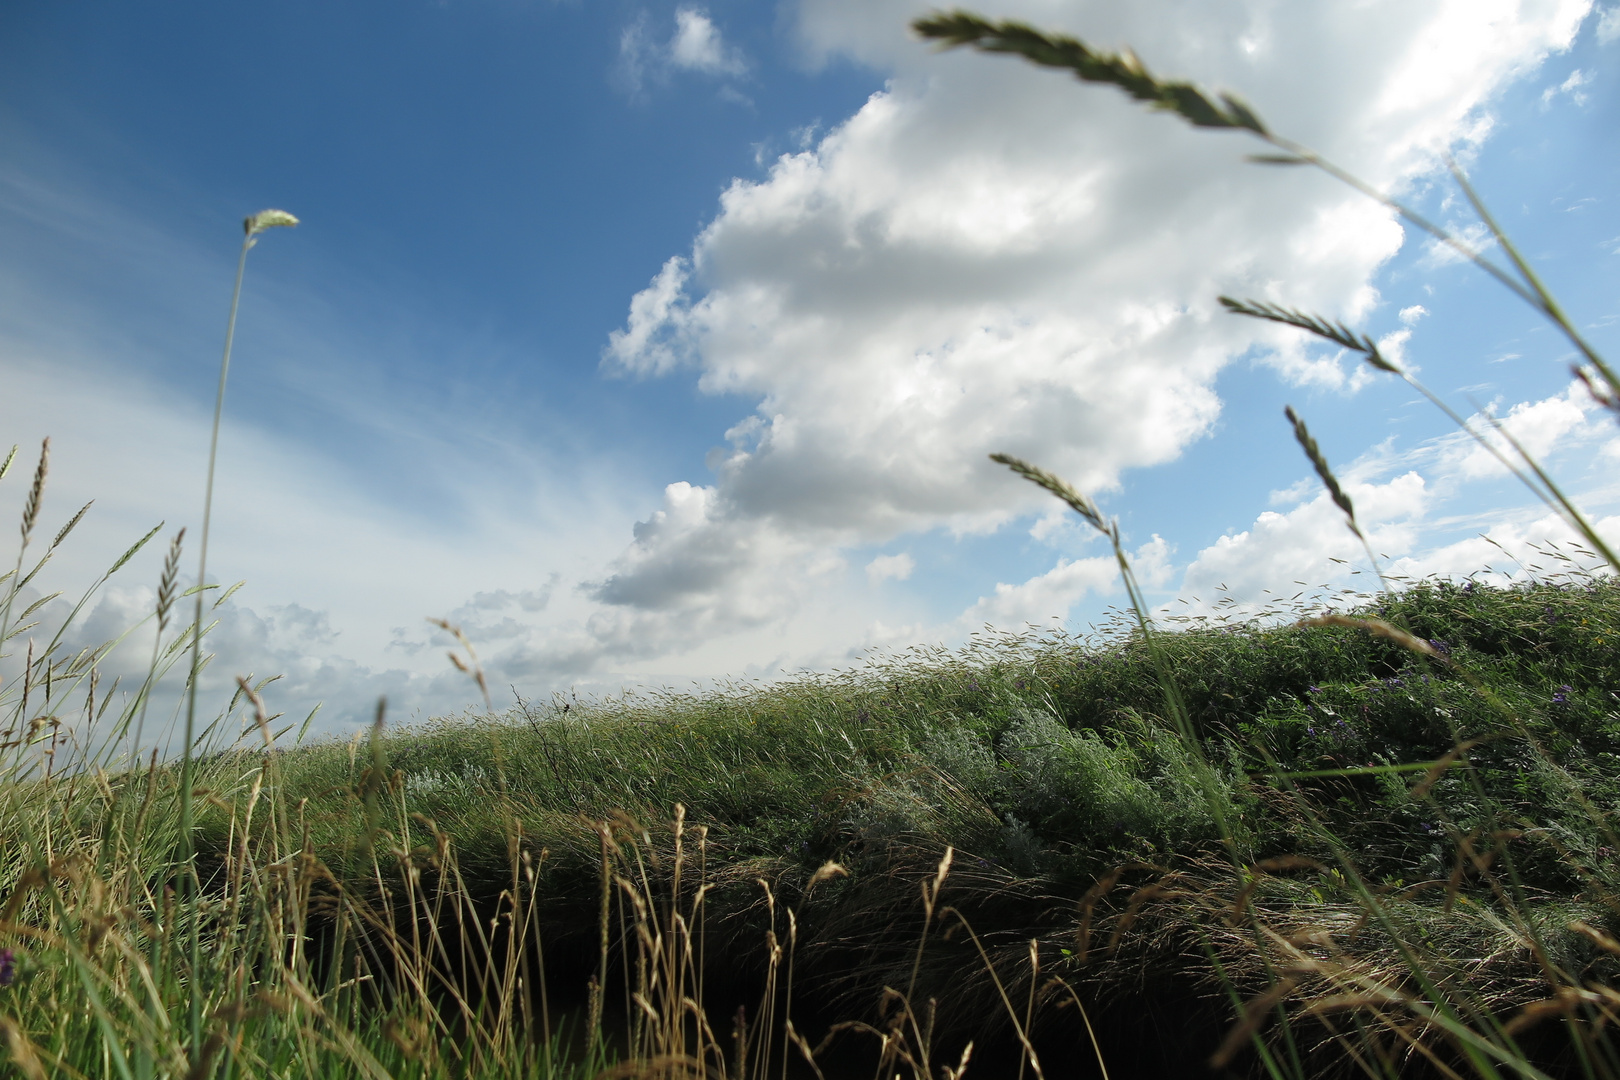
{"x":1043,"y":762}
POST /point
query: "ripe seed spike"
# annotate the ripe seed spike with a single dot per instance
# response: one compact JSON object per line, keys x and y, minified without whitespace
{"x":37,"y":491}
{"x":1308,"y":443}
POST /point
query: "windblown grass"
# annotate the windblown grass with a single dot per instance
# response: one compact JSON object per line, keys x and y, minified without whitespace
{"x":430,"y":901}
{"x":1377,"y":840}
{"x":1079,"y":817}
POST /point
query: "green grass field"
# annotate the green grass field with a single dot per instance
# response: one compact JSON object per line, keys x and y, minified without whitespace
{"x":1078,"y":820}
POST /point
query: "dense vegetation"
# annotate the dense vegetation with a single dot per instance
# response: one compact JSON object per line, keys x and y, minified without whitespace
{"x":1045,"y":764}
{"x":1045,"y":755}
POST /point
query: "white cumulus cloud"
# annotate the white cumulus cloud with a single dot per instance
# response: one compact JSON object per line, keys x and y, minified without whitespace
{"x":886,"y":567}
{"x":1570,"y":87}
{"x":1414,"y":504}
{"x":1050,"y":595}
{"x":1608,"y":24}
{"x":1567,"y":419}
{"x":695,"y":45}
{"x":988,"y":257}
{"x":1309,"y":543}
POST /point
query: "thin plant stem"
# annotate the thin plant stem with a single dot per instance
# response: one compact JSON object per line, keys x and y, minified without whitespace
{"x":192,"y":887}
{"x":187,"y":760}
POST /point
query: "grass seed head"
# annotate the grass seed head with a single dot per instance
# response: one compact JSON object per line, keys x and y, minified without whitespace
{"x":268,"y":219}
{"x":37,"y":491}
{"x":1308,"y":443}
{"x":167,"y":584}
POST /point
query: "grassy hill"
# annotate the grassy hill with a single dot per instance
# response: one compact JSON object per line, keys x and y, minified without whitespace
{"x":1348,"y":802}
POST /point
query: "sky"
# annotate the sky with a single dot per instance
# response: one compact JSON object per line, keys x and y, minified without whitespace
{"x":665,"y":344}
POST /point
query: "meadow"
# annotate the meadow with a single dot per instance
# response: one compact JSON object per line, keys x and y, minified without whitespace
{"x":1373,"y":836}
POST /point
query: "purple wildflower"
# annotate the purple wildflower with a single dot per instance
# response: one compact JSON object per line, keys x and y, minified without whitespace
{"x":8,"y":967}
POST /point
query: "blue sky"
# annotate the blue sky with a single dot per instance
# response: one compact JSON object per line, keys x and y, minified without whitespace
{"x":660,"y":342}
